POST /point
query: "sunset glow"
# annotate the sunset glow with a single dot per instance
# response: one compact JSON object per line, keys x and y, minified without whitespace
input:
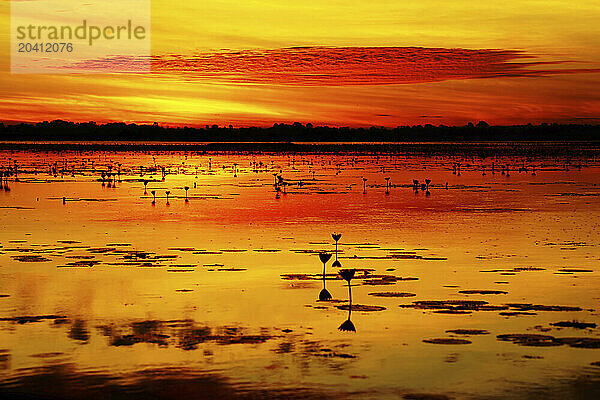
{"x":338,"y":63}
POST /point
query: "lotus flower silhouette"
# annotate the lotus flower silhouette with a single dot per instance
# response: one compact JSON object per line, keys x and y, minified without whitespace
{"x":324,"y":295}
{"x":347,"y":274}
{"x":324,"y":257}
{"x":347,"y":326}
{"x":336,"y":237}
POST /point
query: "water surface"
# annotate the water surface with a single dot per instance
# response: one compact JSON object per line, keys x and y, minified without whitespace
{"x":105,"y":292}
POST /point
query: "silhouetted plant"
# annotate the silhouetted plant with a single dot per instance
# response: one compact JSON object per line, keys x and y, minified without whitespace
{"x":324,"y":295}
{"x":347,"y":325}
{"x":324,"y":257}
{"x":347,"y":275}
{"x":336,"y":237}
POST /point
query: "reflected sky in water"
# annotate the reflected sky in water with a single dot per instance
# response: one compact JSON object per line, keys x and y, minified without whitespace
{"x":106,"y":293}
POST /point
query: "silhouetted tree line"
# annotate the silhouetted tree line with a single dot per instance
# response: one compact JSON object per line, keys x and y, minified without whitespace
{"x":63,"y":130}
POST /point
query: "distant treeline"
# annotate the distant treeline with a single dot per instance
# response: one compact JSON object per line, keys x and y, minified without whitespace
{"x":63,"y":130}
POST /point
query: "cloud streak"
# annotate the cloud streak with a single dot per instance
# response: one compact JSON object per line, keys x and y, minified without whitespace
{"x":346,"y":66}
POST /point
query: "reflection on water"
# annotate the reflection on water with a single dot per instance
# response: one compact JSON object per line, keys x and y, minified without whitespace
{"x":347,"y":275}
{"x":159,"y":275}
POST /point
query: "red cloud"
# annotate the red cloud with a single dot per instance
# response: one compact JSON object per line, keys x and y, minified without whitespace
{"x":342,"y":66}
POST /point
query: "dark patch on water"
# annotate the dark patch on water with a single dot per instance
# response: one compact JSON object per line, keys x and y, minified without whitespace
{"x":361,"y":307}
{"x":392,"y":294}
{"x":515,"y":313}
{"x":468,"y":331}
{"x":574,"y":324}
{"x":575,"y":270}
{"x":35,"y":318}
{"x":81,"y":263}
{"x":540,"y":307}
{"x":451,"y":306}
{"x":447,"y":341}
{"x":425,"y":396}
{"x":233,"y":269}
{"x":482,"y":292}
{"x":31,"y":258}
{"x":526,"y":339}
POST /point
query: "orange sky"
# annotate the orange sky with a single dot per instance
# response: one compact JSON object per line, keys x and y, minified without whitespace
{"x":475,"y":60}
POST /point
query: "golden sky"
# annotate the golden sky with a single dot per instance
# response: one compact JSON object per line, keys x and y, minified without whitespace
{"x":230,"y":62}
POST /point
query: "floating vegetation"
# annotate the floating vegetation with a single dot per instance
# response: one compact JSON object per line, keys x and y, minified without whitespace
{"x":232,"y":269}
{"x":513,"y":271}
{"x":34,"y":318}
{"x":425,"y":396}
{"x":360,"y":307}
{"x":540,"y":307}
{"x":574,"y":324}
{"x":453,"y":306}
{"x":515,"y":313}
{"x":307,"y":277}
{"x":583,"y":343}
{"x":447,"y":341}
{"x":364,"y":273}
{"x":452,"y":312}
{"x":190,"y":249}
{"x":306,"y":251}
{"x":483,"y":292}
{"x":468,"y":331}
{"x":392,"y":294}
{"x":79,"y":264}
{"x":575,"y":270}
{"x":396,"y":256}
{"x":376,"y":280}
{"x":31,"y":258}
{"x":530,"y":339}
{"x":527,"y":339}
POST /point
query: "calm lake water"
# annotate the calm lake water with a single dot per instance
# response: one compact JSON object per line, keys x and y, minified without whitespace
{"x":113,"y":292}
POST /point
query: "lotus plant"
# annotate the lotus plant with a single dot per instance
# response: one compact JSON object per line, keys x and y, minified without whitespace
{"x":324,"y":294}
{"x":336,"y":237}
{"x":347,"y":275}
